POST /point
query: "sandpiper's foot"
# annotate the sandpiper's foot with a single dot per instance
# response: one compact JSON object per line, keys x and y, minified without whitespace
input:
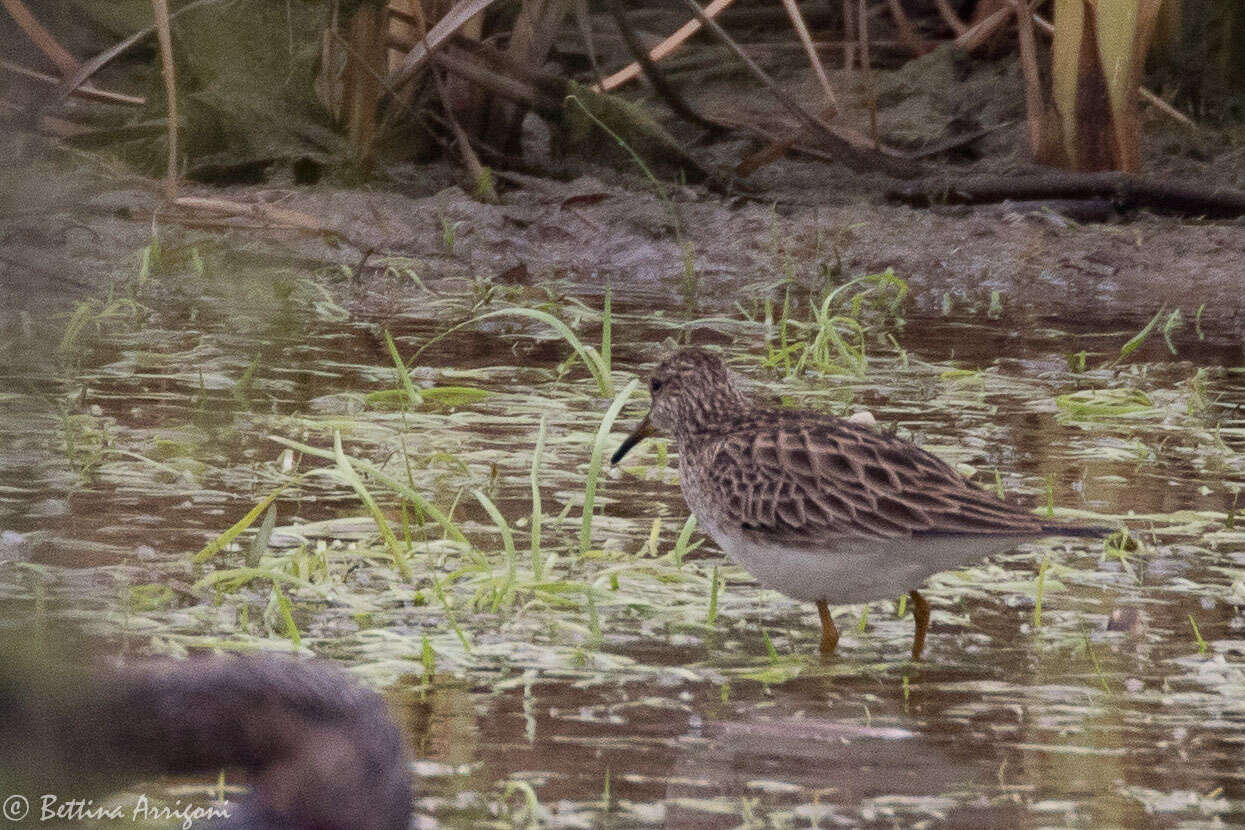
{"x":920,"y":612}
{"x":829,"y":634}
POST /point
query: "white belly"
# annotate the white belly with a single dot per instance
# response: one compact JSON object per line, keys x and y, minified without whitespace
{"x":856,"y":571}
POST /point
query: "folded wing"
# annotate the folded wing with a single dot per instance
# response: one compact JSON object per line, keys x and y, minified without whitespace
{"x":815,"y":480}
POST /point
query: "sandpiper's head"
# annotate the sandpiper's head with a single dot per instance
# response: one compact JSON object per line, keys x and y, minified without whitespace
{"x":691,"y":392}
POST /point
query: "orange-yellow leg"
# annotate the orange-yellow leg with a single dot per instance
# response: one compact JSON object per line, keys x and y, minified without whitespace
{"x":920,"y":613}
{"x":829,"y":634}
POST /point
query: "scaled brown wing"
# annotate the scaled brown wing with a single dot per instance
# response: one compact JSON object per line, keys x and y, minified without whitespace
{"x":814,"y":479}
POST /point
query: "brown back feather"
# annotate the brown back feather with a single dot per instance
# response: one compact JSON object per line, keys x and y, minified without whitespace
{"x":812,"y":478}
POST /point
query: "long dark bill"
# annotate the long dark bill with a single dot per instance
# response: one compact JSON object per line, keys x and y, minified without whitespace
{"x":643,"y":430}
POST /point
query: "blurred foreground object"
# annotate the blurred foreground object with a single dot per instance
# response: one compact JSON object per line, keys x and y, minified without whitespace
{"x":317,"y":749}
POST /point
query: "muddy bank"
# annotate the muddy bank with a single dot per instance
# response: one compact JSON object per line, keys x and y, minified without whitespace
{"x":1033,"y":265}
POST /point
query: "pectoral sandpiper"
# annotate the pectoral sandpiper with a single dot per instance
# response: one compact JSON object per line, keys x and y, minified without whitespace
{"x":820,"y":508}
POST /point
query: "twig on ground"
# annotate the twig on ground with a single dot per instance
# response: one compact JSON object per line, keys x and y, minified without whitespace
{"x":1126,"y":191}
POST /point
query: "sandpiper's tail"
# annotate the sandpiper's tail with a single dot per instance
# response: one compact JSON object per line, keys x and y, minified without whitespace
{"x":1087,"y":531}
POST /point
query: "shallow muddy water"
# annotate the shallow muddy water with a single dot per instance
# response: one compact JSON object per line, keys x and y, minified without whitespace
{"x":613,"y":674}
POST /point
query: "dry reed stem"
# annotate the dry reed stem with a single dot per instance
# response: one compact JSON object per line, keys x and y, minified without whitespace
{"x":778,"y":145}
{"x":976,"y":35}
{"x":1035,"y":104}
{"x":361,"y":84}
{"x":583,"y":21}
{"x":456,"y":18}
{"x":664,"y":49}
{"x":862,"y":16}
{"x":213,"y":211}
{"x":66,"y":63}
{"x":794,"y":107}
{"x":801,"y":30}
{"x":93,"y":65}
{"x":849,"y":42}
{"x":479,"y":177}
{"x":84,"y":91}
{"x":873,"y":158}
{"x":515,"y":89}
{"x":908,"y":33}
{"x":950,"y":17}
{"x":160,"y":11}
{"x":532,"y":35}
{"x":1146,"y":95}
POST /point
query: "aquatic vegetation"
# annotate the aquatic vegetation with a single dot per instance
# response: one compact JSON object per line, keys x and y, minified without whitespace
{"x":214,"y":547}
{"x":833,"y":341}
{"x":596,"y":361}
{"x":446,"y":525}
{"x":1099,"y":404}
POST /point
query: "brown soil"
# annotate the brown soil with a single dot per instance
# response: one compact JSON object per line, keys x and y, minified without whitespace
{"x":607,"y":227}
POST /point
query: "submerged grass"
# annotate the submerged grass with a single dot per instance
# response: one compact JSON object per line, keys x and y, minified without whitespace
{"x":405,"y":491}
{"x":414,"y":399}
{"x":1101,"y":404}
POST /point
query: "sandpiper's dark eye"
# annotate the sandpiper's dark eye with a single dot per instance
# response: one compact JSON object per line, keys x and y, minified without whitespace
{"x":654,"y":385}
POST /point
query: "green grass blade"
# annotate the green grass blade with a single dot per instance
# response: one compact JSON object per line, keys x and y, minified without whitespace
{"x":680,"y":544}
{"x":1140,"y":337}
{"x":595,"y":363}
{"x":213,"y":547}
{"x":403,"y":490}
{"x":259,"y":544}
{"x":715,"y":585}
{"x":414,"y":399}
{"x":287,"y":616}
{"x":347,"y":474}
{"x":537,"y":509}
{"x":507,"y":538}
{"x":594,"y":466}
{"x":1041,"y":592}
{"x":237,"y":577}
{"x":1174,"y":321}
{"x":507,"y":541}
{"x":606,"y":334}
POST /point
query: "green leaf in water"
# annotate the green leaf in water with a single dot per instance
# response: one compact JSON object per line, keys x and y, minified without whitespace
{"x":1140,"y":337}
{"x":1095,"y":404}
{"x":214,"y":546}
